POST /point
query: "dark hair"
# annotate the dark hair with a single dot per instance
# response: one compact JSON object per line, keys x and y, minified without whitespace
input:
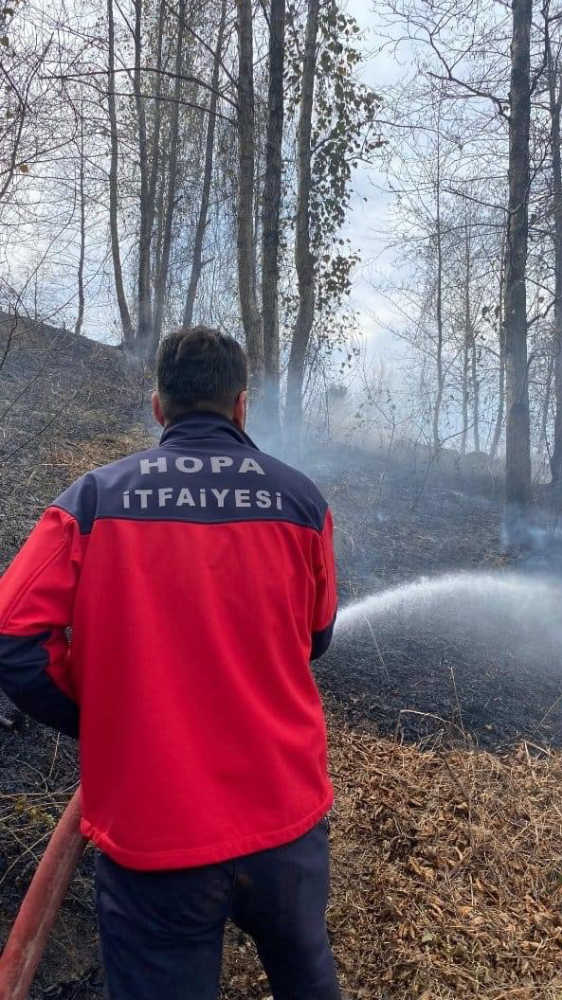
{"x":200,"y":367}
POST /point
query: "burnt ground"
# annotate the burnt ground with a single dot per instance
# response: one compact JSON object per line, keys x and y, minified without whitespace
{"x":63,"y":400}
{"x":430,"y":678}
{"x":67,"y":404}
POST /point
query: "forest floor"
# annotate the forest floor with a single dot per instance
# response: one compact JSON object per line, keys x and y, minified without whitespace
{"x":447,"y":830}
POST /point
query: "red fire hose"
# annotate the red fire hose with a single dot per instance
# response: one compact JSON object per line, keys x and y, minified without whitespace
{"x":38,"y":912}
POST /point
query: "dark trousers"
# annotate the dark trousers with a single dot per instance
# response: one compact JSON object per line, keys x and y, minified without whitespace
{"x":162,"y":932}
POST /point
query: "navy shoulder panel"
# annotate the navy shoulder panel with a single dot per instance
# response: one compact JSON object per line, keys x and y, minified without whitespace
{"x":302,"y":495}
{"x":84,"y":499}
{"x":80,"y":500}
{"x":202,"y":481}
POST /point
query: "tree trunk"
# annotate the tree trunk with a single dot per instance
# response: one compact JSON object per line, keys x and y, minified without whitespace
{"x":271,"y":212}
{"x":439,"y":303}
{"x":304,"y":258}
{"x":196,"y":265}
{"x":82,"y":252}
{"x":475,"y":393}
{"x":161,"y":286}
{"x":126,"y":325}
{"x":154,"y":150}
{"x":518,"y":445}
{"x":466,"y":345}
{"x":556,"y":460}
{"x":471,"y":345}
{"x":251,"y":318}
{"x":465,"y":393}
{"x":144,"y":300}
{"x":555,"y":96}
{"x":501,"y":338}
{"x":159,"y":219}
{"x":546,"y":409}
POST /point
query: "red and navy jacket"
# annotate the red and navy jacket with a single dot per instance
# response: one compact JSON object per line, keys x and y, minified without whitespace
{"x":198,"y":580}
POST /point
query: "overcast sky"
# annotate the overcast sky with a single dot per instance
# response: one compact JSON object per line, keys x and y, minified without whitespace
{"x":366,"y":225}
{"x":368,"y":221}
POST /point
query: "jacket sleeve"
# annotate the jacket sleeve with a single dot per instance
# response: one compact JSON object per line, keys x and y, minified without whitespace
{"x":326,"y":591}
{"x":37,"y":594}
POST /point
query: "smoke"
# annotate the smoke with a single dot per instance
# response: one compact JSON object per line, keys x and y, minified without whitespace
{"x":535,"y":537}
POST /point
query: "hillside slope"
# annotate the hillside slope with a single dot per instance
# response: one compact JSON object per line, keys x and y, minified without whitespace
{"x":446,"y":860}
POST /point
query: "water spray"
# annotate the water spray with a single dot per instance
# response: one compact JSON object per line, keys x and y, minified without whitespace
{"x":502,"y":601}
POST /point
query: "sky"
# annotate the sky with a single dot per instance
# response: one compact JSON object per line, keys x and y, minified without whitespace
{"x":366,"y":224}
{"x":369,"y":219}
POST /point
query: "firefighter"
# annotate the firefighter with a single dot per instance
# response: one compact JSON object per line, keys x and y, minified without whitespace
{"x":198,"y":580}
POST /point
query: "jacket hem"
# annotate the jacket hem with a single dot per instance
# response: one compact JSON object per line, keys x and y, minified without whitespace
{"x":195,"y":857}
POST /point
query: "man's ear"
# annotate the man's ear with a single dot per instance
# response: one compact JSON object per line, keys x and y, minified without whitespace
{"x":240,"y":409}
{"x":157,"y":409}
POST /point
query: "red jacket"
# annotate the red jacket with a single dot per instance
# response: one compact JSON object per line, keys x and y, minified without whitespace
{"x":198,"y":579}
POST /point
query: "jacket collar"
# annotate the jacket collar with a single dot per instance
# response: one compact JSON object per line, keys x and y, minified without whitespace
{"x":204,"y":424}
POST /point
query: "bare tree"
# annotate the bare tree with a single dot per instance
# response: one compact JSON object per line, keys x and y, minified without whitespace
{"x":304,"y":259}
{"x":126,"y":324}
{"x":500,"y":414}
{"x":144,"y":304}
{"x":439,"y":292}
{"x":82,"y":230}
{"x":518,"y":443}
{"x":467,"y":340}
{"x":203,"y":217}
{"x":161,"y":283}
{"x":554,"y":80}
{"x":251,"y":319}
{"x":271,"y":211}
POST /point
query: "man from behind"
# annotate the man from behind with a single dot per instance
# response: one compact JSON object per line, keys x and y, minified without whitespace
{"x":198,"y":579}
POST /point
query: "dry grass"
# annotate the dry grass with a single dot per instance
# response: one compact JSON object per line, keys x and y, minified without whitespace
{"x":74,"y":458}
{"x":447,"y":874}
